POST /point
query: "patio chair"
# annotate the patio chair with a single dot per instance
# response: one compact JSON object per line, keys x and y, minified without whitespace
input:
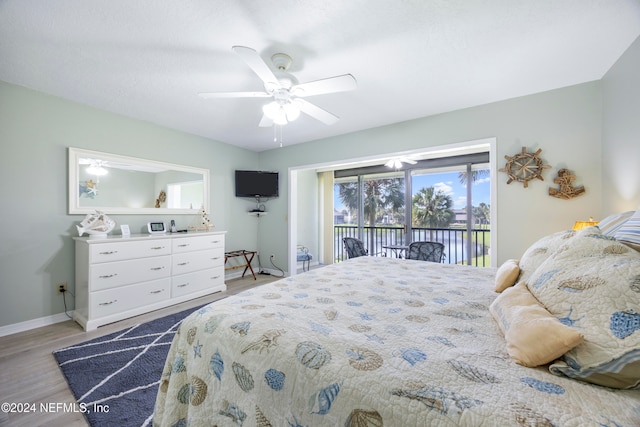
{"x":426,"y":251}
{"x":354,"y":247}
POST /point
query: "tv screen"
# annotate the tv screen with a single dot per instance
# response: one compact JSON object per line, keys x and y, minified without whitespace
{"x":256,"y":184}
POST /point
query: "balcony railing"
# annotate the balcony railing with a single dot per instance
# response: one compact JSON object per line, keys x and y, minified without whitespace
{"x":455,"y":242}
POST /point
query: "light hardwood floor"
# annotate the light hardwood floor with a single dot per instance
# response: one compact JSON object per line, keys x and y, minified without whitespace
{"x":29,"y":373}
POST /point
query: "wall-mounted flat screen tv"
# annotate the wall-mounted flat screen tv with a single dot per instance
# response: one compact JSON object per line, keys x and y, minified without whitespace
{"x":256,"y":184}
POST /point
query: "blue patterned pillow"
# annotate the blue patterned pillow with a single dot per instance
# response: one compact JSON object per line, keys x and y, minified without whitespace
{"x":592,"y":283}
{"x":629,"y":232}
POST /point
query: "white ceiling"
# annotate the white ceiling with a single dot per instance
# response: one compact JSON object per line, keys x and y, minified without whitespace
{"x":148,"y":59}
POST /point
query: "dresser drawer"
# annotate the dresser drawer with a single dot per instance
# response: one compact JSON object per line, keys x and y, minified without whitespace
{"x":116,"y":251}
{"x":112,"y":301}
{"x":188,"y":262}
{"x":198,"y":281}
{"x":188,"y":244}
{"x":112,"y":274}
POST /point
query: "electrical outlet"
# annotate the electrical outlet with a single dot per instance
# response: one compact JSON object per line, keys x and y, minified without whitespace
{"x":61,"y":287}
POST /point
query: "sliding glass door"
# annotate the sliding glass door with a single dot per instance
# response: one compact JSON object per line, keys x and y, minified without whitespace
{"x":444,"y":200}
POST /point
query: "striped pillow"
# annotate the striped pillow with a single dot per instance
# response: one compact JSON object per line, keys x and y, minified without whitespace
{"x":629,"y":233}
{"x":612,"y":223}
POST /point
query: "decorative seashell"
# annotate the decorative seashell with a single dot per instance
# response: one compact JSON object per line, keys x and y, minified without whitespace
{"x":417,"y":318}
{"x":473,"y":373}
{"x":476,"y":305}
{"x":413,"y":355}
{"x":96,"y":224}
{"x":325,"y":398}
{"x":432,"y":397}
{"x":241,"y":328}
{"x":243,"y":376}
{"x":581,"y":283}
{"x":360,"y":328}
{"x":266,"y":341}
{"x":212,"y":324}
{"x":252,"y":307}
{"x":413,"y":303}
{"x":216,"y":365}
{"x":624,"y":323}
{"x":271,"y":295}
{"x":362,"y":418}
{"x":526,"y":417}
{"x":312,"y":355}
{"x":542,"y":386}
{"x":364,"y":359}
{"x":616,"y":249}
{"x":442,"y":340}
{"x":184,"y":393}
{"x":198,"y":390}
{"x":397,"y":330}
{"x":191,"y":334}
{"x":458,"y":314}
{"x":331,"y":314}
{"x":261,"y":420}
{"x":178,"y":365}
{"x":325,"y":300}
{"x":274,"y":379}
{"x":380,"y":300}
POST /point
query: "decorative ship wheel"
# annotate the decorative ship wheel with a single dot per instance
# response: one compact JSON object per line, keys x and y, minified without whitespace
{"x":523,"y":167}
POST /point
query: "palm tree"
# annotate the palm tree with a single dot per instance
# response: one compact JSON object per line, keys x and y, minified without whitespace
{"x":476,"y":175}
{"x":432,"y":208}
{"x":379,"y":194}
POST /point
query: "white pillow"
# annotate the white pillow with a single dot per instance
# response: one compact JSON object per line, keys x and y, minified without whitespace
{"x":592,"y":283}
{"x":538,"y":252}
{"x":506,"y":275}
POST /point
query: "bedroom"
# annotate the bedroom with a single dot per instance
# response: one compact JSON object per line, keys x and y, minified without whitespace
{"x":588,"y":127}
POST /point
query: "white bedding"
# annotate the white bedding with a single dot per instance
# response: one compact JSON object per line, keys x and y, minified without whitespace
{"x":368,"y":342}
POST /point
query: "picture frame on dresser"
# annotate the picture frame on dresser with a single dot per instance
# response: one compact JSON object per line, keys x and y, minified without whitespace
{"x":124,"y":276}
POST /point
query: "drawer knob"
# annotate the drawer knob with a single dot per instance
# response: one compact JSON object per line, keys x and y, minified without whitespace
{"x":214,"y":277}
{"x":158,"y":247}
{"x":183,"y":263}
{"x":183,"y":285}
{"x":108,"y":303}
{"x":156,"y":268}
{"x":184,"y":245}
{"x":108,"y":252}
{"x":157,"y":292}
{"x":216,"y":257}
{"x":108,"y":276}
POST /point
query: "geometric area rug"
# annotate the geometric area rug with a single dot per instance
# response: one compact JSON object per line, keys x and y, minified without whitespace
{"x":115,"y":378}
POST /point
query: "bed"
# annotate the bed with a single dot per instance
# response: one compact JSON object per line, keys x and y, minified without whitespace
{"x":376,"y":341}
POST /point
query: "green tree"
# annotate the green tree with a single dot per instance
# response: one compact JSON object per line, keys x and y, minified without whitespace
{"x":379,"y":194}
{"x":432,"y":208}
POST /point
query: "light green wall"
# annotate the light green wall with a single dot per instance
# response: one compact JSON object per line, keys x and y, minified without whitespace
{"x":36,"y":249}
{"x":569,"y":124}
{"x":565,"y":123}
{"x":621,"y":133}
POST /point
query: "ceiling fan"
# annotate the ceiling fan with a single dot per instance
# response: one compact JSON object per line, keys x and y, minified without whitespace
{"x":397,"y":162}
{"x":286,"y":93}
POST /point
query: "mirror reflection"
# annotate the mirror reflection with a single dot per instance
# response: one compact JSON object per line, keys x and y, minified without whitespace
{"x":120,"y":184}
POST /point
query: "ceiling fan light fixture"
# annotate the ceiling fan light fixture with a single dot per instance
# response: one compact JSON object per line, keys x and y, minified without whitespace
{"x":281,"y":112}
{"x":96,"y":168}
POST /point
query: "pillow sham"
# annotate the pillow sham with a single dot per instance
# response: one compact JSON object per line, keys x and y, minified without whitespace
{"x":538,"y":252}
{"x":612,"y":223}
{"x":534,"y":337}
{"x":506,"y":275}
{"x":629,"y":232}
{"x":592,"y":283}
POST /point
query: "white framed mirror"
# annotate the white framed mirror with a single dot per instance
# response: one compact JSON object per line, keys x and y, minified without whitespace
{"x":118,"y":184}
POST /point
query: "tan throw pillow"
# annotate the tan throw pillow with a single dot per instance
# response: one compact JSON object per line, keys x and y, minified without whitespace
{"x":506,"y":275}
{"x":534,"y":337}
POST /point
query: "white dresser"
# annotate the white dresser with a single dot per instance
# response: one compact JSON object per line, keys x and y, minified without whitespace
{"x":119,"y":277}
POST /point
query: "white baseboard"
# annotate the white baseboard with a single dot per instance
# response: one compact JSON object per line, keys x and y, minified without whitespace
{"x":34,"y":323}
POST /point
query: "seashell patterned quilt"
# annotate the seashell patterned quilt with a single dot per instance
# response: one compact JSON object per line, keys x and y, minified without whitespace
{"x":368,"y":342}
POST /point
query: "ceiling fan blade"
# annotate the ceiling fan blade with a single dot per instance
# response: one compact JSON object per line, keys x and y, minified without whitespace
{"x":316,"y":112}
{"x":208,"y":95}
{"x":341,"y":83}
{"x":265,"y":122}
{"x":255,"y":62}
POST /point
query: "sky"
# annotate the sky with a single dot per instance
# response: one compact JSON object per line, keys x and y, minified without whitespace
{"x":448,"y":183}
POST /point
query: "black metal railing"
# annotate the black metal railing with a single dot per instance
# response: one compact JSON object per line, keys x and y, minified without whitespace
{"x":380,"y":241}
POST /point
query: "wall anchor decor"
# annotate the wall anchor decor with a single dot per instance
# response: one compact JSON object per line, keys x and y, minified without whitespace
{"x":567,"y":190}
{"x":523,"y":167}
